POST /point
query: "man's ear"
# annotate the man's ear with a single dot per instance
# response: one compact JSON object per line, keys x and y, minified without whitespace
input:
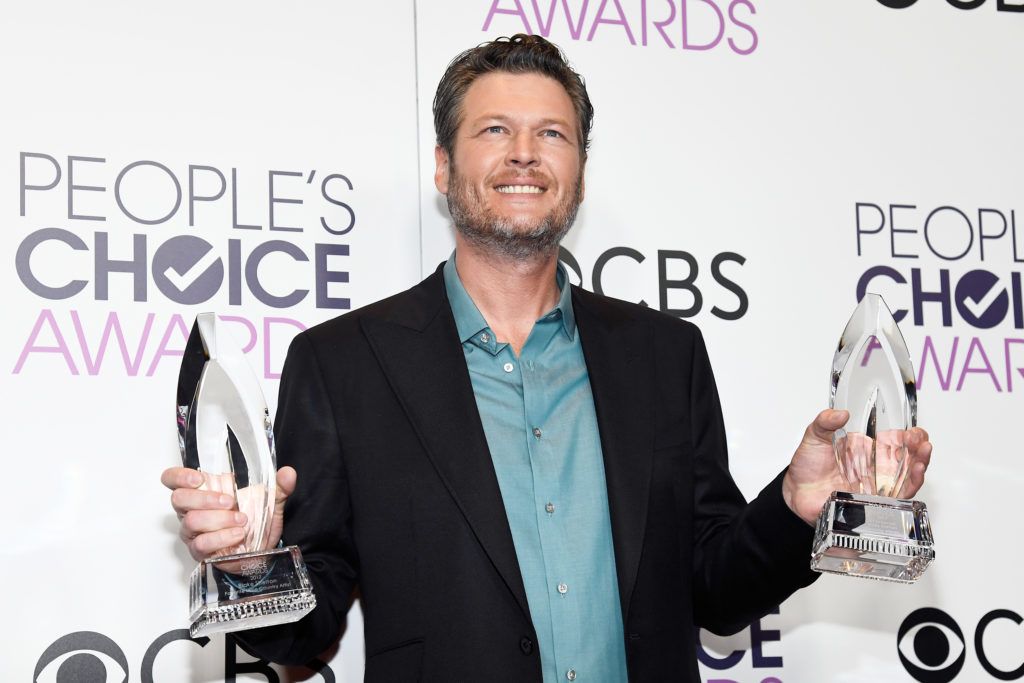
{"x":441,"y":169}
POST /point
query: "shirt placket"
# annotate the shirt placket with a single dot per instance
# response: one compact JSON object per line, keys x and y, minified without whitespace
{"x":547,"y":465}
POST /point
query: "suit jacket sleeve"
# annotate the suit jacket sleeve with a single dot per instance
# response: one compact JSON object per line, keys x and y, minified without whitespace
{"x":318,"y":513}
{"x":749,"y":557}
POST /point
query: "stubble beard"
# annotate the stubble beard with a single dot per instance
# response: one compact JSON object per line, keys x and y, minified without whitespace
{"x":515,"y":240}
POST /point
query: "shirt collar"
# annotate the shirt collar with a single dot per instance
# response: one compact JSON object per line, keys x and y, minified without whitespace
{"x":470,"y":322}
{"x":565,"y":302}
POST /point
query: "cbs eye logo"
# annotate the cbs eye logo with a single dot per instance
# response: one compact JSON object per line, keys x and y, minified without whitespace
{"x":931,"y":646}
{"x":82,"y":656}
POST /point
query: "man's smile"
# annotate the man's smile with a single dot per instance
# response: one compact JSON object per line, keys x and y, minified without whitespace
{"x":531,"y":183}
{"x":519,"y":189}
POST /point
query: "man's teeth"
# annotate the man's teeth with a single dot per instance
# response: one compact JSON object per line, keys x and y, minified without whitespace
{"x":520,"y":189}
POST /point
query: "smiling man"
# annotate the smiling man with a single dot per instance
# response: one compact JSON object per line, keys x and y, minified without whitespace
{"x":525,"y":481}
{"x":516,"y":180}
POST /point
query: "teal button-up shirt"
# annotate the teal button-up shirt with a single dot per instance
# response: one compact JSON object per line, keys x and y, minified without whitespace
{"x":538,"y":417}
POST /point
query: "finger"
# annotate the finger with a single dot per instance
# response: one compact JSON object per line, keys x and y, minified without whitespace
{"x":205,"y":545}
{"x":916,"y":436}
{"x":825,"y":423}
{"x":181,"y":477}
{"x":914,"y":481}
{"x":186,"y":500}
{"x":204,"y":521}
{"x":286,"y":481}
{"x":922,"y":450}
{"x":920,"y":460}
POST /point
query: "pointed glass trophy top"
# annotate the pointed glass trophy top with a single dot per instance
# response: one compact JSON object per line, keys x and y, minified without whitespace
{"x":224,"y":426}
{"x":873,"y":378}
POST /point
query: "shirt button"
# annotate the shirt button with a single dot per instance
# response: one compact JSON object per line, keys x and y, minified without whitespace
{"x":571,"y":674}
{"x":485,"y":337}
{"x":563,"y":588}
{"x":526,"y":645}
{"x":537,"y":433}
{"x":550,"y":508}
{"x":509,"y":367}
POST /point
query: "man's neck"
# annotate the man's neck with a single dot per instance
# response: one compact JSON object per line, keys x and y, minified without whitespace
{"x":510,"y":294}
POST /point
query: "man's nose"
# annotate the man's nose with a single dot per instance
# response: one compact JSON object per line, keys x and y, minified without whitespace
{"x":523,"y":152}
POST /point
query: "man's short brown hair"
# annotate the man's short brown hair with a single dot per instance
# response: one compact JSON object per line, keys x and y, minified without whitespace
{"x":519,"y":54}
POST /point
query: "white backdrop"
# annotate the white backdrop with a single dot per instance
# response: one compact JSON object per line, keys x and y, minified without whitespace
{"x":770,"y":157}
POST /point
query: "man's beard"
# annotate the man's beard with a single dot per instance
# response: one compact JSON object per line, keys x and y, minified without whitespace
{"x":518,"y":240}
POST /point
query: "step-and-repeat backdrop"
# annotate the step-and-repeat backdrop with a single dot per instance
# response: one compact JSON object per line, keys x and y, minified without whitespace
{"x":756,"y":167}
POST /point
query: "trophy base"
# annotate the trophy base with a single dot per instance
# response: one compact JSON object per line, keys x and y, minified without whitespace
{"x":873,"y":537}
{"x":249,"y":590}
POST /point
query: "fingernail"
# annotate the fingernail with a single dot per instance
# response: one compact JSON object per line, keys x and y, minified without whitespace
{"x":195,"y":479}
{"x":239,"y":518}
{"x":226,"y":501}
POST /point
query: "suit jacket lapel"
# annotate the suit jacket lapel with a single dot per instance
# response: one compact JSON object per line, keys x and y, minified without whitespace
{"x":419,"y":350}
{"x":612,"y":344}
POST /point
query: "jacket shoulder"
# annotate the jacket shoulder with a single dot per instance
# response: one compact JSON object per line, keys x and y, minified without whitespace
{"x":617,"y":311}
{"x":415,"y":307}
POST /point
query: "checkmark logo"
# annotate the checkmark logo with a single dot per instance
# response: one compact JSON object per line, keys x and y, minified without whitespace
{"x":187,"y":270}
{"x":978,"y":308}
{"x":182,"y":279}
{"x":980,"y":299}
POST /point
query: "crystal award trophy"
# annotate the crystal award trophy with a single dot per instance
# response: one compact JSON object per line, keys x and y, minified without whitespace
{"x":867,"y":531}
{"x":224,"y":431}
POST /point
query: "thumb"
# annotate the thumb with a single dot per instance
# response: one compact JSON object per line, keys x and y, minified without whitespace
{"x":825,"y":423}
{"x":286,"y":480}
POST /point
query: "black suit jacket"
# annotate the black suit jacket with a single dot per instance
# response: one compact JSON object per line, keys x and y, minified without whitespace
{"x":397,"y":495}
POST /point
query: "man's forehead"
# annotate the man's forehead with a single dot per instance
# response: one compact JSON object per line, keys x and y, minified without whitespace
{"x":506,"y":95}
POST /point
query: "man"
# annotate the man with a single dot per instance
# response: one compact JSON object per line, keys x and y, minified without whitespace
{"x":525,"y":481}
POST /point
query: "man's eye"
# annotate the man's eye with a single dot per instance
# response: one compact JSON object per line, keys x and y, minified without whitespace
{"x":495,"y":129}
{"x":553,"y":134}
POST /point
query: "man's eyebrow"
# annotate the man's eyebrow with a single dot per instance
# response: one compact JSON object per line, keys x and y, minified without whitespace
{"x":491,"y":117}
{"x":502,"y":118}
{"x":555,"y":122}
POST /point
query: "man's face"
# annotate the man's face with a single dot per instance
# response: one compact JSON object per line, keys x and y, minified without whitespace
{"x":516,"y":179}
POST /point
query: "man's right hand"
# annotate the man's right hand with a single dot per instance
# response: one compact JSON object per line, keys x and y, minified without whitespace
{"x":210,"y":521}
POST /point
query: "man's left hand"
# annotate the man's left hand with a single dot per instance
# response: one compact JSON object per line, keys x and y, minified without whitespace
{"x":814,"y":474}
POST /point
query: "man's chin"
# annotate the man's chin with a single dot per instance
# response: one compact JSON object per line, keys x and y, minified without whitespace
{"x":524,"y":241}
{"x":523,"y":220}
{"x":510,"y":232}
